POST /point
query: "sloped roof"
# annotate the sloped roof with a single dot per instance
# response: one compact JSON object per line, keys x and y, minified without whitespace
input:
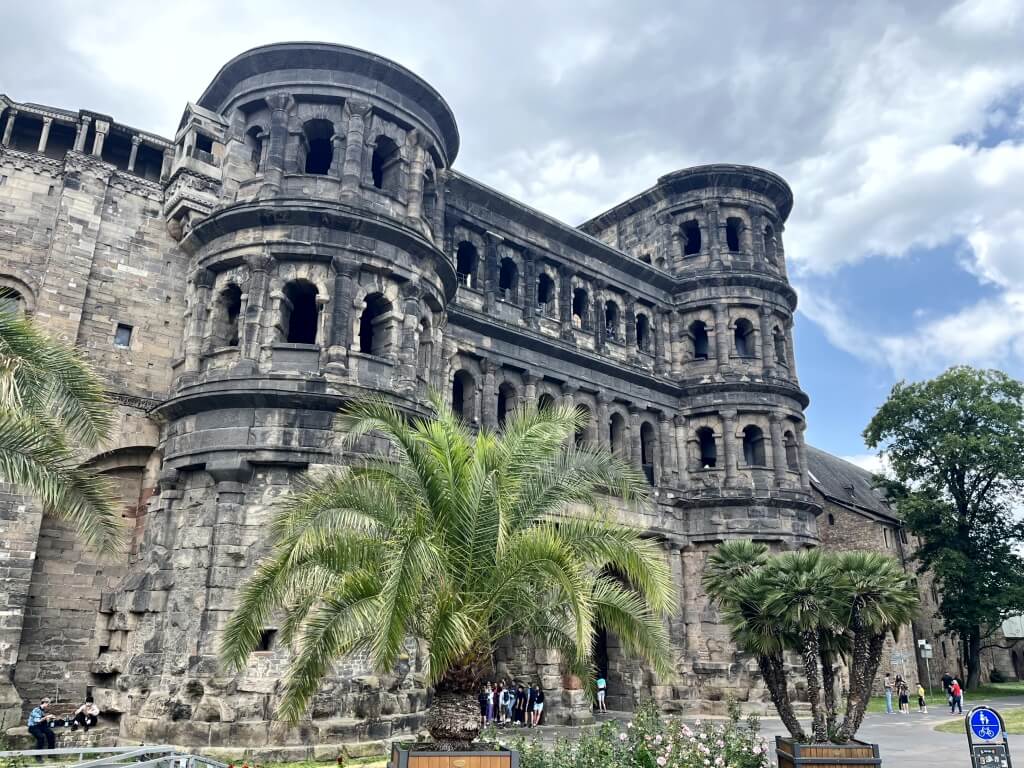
{"x":846,"y":484}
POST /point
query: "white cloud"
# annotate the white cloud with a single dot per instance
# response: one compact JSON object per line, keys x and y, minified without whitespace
{"x":872,"y":462}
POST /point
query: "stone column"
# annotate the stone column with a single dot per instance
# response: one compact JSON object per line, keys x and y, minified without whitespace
{"x":250,"y":336}
{"x":167,"y":164}
{"x":102,"y":128}
{"x":597,"y":315}
{"x":676,"y":247}
{"x":729,"y":445}
{"x":756,"y":235}
{"x":492,"y":241}
{"x":9,"y":128}
{"x":414,"y":143}
{"x":805,"y":475}
{"x":778,"y":451}
{"x":714,"y":239}
{"x":136,"y":141}
{"x":341,"y":315}
{"x":668,"y":470}
{"x":44,"y":137}
{"x":489,"y":396}
{"x":603,"y":434}
{"x":530,"y":289}
{"x":682,"y":460}
{"x":202,"y":279}
{"x":722,"y":337}
{"x":675,"y":324}
{"x":337,"y":156}
{"x":636,"y":454}
{"x":81,"y":133}
{"x":273,"y":176}
{"x":790,"y":354}
{"x":661,"y":347}
{"x":409,"y":346}
{"x":630,"y":302}
{"x":530,"y":392}
{"x":767,"y":348}
{"x":565,"y":301}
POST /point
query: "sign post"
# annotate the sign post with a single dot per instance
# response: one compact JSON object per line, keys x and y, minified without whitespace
{"x":986,"y":738}
{"x":926,"y":653}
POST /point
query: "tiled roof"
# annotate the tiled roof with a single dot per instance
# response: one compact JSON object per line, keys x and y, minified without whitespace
{"x":846,"y":483}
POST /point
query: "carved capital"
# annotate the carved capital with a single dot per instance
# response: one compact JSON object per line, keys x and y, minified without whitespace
{"x":280,"y":101}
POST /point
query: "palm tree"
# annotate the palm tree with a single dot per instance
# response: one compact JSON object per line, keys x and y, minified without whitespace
{"x":460,"y":541}
{"x":53,"y":409}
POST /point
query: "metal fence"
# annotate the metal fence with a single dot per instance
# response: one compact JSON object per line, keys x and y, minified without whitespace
{"x":161,"y":756}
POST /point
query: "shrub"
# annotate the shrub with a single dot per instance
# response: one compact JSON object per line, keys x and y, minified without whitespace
{"x":652,"y":742}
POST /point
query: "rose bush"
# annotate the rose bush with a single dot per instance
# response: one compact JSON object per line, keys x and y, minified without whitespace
{"x":650,"y":741}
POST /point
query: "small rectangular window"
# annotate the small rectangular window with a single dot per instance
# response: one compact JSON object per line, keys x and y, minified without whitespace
{"x":3,"y":179}
{"x":267,"y":638}
{"x":123,"y":336}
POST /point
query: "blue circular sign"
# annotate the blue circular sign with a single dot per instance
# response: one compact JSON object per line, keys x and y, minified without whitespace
{"x":985,"y":724}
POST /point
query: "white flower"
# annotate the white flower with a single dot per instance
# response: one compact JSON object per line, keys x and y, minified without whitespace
{"x":622,"y":737}
{"x":657,"y":739}
{"x":661,"y":761}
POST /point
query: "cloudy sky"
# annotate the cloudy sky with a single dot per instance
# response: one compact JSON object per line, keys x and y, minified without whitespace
{"x":900,"y":127}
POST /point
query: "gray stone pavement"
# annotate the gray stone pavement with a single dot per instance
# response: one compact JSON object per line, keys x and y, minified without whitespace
{"x":905,"y":741}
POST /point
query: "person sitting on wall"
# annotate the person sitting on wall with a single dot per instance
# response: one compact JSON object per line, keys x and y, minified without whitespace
{"x":86,"y":715}
{"x":39,"y":726}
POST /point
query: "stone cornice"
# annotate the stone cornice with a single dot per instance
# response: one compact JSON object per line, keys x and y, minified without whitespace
{"x":37,"y":162}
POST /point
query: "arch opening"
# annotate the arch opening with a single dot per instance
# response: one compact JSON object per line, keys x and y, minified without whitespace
{"x":229,"y":306}
{"x":617,"y":434}
{"x":647,"y":450}
{"x":506,"y":401}
{"x":699,"y":337}
{"x":733,"y":228}
{"x":706,"y":446}
{"x":744,"y":338}
{"x":792,"y":451}
{"x":385,"y":165}
{"x":463,"y":393}
{"x":508,"y":279}
{"x":580,"y":307}
{"x":545,"y":289}
{"x":690,"y":231}
{"x":300,"y":312}
{"x":319,"y":135}
{"x":374,"y":326}
{"x":753,"y":446}
{"x":643,"y":333}
{"x":466,"y":261}
{"x":611,"y":320}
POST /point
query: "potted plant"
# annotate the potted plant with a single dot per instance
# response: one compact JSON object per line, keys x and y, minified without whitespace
{"x":460,"y":540}
{"x":818,"y":606}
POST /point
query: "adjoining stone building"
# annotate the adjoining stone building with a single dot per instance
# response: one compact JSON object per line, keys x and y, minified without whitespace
{"x":304,"y":239}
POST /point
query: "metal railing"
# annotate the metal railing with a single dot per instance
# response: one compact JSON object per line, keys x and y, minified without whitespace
{"x":156,"y":756}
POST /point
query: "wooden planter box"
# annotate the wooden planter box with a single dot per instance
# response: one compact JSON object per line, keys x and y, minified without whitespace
{"x":793,"y":755}
{"x":406,"y":758}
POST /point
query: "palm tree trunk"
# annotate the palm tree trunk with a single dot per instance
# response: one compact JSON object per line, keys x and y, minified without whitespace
{"x":858,"y":684}
{"x":828,"y":680}
{"x":453,"y":719}
{"x":809,"y":643}
{"x":775,"y":680}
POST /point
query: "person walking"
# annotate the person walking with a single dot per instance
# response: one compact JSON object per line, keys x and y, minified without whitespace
{"x":39,"y":726}
{"x":903,"y":695}
{"x":922,"y":703}
{"x":602,"y":691}
{"x":887,"y":685}
{"x":956,"y":697}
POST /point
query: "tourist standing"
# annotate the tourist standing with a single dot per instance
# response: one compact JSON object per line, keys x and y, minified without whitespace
{"x":602,"y":691}
{"x":887,"y":685}
{"x":484,"y":698}
{"x":947,"y":683}
{"x":922,"y":703}
{"x":520,"y":705}
{"x":956,"y":697}
{"x":508,"y":701}
{"x":903,"y":695}
{"x":531,"y":700}
{"x":538,"y":705}
{"x":39,"y":726}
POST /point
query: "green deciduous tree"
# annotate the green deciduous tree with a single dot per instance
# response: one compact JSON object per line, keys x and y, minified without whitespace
{"x":461,"y":541}
{"x":956,"y":448}
{"x":52,"y":410}
{"x":819,"y":605}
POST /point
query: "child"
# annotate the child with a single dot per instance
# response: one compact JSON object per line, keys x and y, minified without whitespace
{"x":922,"y":705}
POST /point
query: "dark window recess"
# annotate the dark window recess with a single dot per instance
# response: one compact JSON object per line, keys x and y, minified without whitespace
{"x":546,"y":402}
{"x":753,"y":446}
{"x":508,"y":279}
{"x":123,"y":336}
{"x":733,"y":226}
{"x":204,"y":143}
{"x":319,"y":146}
{"x":691,"y":238}
{"x":699,"y":333}
{"x":466,"y":259}
{"x":463,"y":388}
{"x":647,"y":451}
{"x":744,"y":337}
{"x":385,"y":165}
{"x":643,"y":333}
{"x":268,"y":639}
{"x":580,"y":303}
{"x":831,"y":519}
{"x":372,"y":333}
{"x":708,"y":451}
{"x":302,"y":317}
{"x":646,"y":258}
{"x":580,"y":438}
{"x":545,"y":289}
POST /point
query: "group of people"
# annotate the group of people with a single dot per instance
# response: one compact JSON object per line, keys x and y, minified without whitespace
{"x":513,"y":704}
{"x":901,"y":689}
{"x":954,"y":693}
{"x":41,"y":722}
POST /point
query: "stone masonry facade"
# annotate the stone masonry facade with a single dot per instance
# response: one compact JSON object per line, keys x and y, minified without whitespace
{"x":304,"y":239}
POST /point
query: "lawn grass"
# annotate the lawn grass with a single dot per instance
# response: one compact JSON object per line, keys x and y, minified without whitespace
{"x":1012,"y":718}
{"x":938,"y":699}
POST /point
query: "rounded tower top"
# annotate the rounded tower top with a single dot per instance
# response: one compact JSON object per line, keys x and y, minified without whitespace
{"x":327,"y":67}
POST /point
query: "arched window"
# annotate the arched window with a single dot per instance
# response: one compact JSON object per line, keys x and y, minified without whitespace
{"x":463,"y":393}
{"x":753,"y":446}
{"x":643,"y":333}
{"x":318,"y":136}
{"x":580,"y":438}
{"x":792,"y":451}
{"x":744,"y":337}
{"x":254,"y":142}
{"x":508,"y":279}
{"x":580,"y":309}
{"x":299,"y":312}
{"x":690,"y":231}
{"x":545,"y":289}
{"x":779,"y":339}
{"x":466,"y":260}
{"x":768,"y":237}
{"x":385,"y":165}
{"x":506,"y":401}
{"x":660,"y":262}
{"x":647,"y":445}
{"x":611,"y":319}
{"x":617,"y":434}
{"x":11,"y":301}
{"x":545,"y":402}
{"x":374,"y":326}
{"x":699,"y":336}
{"x":646,"y":258}
{"x":229,"y":305}
{"x":733,"y":227}
{"x":831,"y":519}
{"x":706,"y":446}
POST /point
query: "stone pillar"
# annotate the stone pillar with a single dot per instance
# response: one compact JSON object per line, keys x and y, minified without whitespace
{"x":569,"y":395}
{"x":530,"y":391}
{"x":630,"y":302}
{"x":675,"y":325}
{"x":341,"y":315}
{"x":668,"y":469}
{"x":722,"y":337}
{"x":805,"y":475}
{"x":682,"y":461}
{"x":44,"y":137}
{"x":489,"y":396}
{"x":661,"y":345}
{"x":597,"y":315}
{"x":337,"y":156}
{"x":102,"y":129}
{"x":565,"y":301}
{"x":81,"y":133}
{"x":437,"y":225}
{"x":603,"y":434}
{"x":492,"y":241}
{"x":778,"y":451}
{"x":729,"y":446}
{"x":790,"y":354}
{"x":756,"y":234}
{"x":676,"y":247}
{"x":202,"y":280}
{"x":12,"y":113}
{"x":530,"y":288}
{"x":414,"y":143}
{"x":273,"y":176}
{"x":636,"y":454}
{"x":409,"y":346}
{"x":714,"y":239}
{"x":167,"y":164}
{"x":767,"y":347}
{"x":250,"y":333}
{"x":136,"y":141}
